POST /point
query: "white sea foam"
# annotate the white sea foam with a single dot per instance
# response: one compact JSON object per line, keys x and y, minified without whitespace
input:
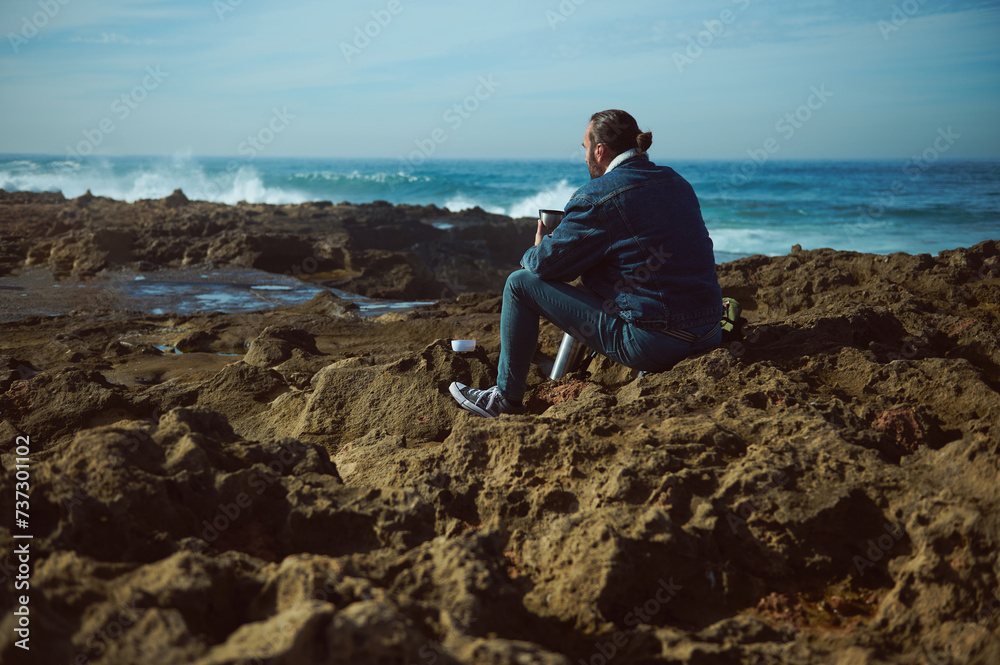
{"x":22,"y":164}
{"x":460,"y":202}
{"x":150,"y":181}
{"x":751,"y":241}
{"x":779,"y":241}
{"x":552,"y":198}
{"x":788,"y":205}
{"x":380,"y":178}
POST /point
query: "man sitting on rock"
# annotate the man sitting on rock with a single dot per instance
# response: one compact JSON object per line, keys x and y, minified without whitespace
{"x":635,"y":236}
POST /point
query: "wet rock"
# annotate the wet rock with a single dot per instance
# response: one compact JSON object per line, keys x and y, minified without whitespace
{"x":203,"y":341}
{"x":373,"y":249}
{"x":327,"y":304}
{"x":391,"y":276}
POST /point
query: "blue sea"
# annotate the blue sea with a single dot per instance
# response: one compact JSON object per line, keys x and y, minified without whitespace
{"x":917,"y":205}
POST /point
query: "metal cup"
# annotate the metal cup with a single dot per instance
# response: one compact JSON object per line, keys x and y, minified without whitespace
{"x":551,"y":218}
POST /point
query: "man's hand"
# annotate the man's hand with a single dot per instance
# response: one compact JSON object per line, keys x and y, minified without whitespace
{"x":540,"y":233}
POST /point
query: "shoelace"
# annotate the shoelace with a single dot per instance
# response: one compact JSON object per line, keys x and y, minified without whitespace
{"x":493,"y":394}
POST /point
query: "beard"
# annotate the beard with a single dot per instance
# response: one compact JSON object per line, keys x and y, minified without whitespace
{"x":595,"y":169}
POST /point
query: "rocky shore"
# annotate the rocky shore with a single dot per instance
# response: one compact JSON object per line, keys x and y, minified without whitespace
{"x":295,"y":485}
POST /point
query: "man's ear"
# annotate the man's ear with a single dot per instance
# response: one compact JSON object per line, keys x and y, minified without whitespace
{"x":599,"y":151}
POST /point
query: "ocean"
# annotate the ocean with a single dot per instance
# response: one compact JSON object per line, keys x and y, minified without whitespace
{"x":924,"y":204}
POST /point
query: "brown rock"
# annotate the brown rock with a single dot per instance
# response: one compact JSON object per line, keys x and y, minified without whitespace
{"x":275,"y":345}
{"x":902,"y":426}
{"x":175,"y":200}
{"x":823,"y":491}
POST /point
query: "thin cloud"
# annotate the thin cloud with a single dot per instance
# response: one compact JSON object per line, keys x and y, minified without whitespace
{"x":113,"y":38}
{"x":228,"y":71}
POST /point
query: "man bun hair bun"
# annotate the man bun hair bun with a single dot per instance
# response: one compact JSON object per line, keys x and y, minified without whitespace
{"x":643,"y":141}
{"x":618,"y":131}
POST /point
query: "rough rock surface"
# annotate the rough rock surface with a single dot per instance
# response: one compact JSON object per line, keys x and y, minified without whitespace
{"x":378,"y":250}
{"x":823,"y":492}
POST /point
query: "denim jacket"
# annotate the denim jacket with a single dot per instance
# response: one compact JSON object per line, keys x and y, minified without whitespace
{"x":637,"y":238}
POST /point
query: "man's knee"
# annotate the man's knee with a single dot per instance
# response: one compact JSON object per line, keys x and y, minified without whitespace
{"x":518,"y":280}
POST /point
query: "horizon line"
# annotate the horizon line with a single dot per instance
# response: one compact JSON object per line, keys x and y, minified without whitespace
{"x":264,"y":158}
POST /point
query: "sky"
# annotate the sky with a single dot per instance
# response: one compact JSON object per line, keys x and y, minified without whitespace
{"x":712,"y":79}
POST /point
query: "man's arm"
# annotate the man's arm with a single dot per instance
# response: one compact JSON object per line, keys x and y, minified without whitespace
{"x":577,"y":244}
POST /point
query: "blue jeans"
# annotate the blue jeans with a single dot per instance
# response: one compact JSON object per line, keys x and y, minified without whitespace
{"x":583,"y":315}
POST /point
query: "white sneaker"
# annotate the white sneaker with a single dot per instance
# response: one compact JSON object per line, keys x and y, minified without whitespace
{"x":486,"y":403}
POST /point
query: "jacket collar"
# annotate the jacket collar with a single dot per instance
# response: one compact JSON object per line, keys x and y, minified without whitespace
{"x":628,"y":154}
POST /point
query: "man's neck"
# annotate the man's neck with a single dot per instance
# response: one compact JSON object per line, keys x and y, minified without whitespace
{"x":621,"y":158}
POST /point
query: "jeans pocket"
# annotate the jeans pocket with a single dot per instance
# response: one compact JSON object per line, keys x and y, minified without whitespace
{"x":655,"y":351}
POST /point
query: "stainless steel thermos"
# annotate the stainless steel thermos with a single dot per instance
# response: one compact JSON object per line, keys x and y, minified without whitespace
{"x":568,"y":358}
